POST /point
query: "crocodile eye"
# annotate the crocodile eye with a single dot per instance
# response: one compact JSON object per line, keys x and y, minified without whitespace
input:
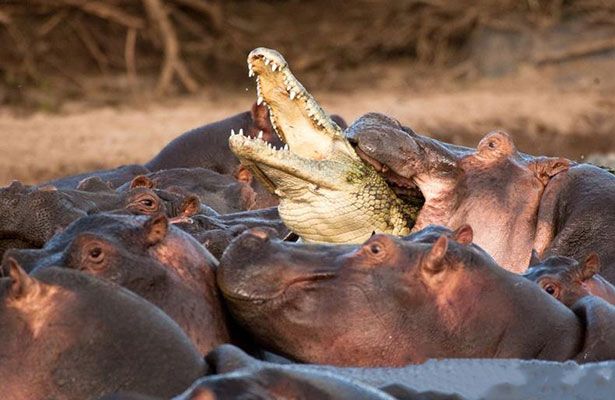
{"x":492,"y":144}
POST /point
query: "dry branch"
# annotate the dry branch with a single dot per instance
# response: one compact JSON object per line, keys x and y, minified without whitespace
{"x":4,"y":18}
{"x":90,"y":44}
{"x":210,"y":9}
{"x":173,"y":63}
{"x":129,"y":56}
{"x":583,"y":50}
{"x":107,"y":11}
{"x":51,"y":23}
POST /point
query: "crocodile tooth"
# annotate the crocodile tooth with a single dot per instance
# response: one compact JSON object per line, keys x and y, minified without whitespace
{"x":293,"y":94}
{"x":267,"y":61}
{"x":274,"y":66}
{"x":232,"y":132}
{"x":259,"y":100}
{"x":286,"y":148}
{"x":241,"y":131}
{"x":260,"y":134}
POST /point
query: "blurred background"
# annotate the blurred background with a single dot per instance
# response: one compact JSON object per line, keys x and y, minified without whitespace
{"x":89,"y":84}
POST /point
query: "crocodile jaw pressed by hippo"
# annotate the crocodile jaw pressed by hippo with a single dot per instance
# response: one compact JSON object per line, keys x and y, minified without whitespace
{"x":327,"y":194}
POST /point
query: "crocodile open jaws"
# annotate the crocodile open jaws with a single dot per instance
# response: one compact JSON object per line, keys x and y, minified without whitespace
{"x":327,"y":194}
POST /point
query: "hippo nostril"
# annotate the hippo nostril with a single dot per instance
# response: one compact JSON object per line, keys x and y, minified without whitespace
{"x":237,"y":230}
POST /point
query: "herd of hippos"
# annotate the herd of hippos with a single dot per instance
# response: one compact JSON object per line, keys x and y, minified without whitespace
{"x":280,"y":254}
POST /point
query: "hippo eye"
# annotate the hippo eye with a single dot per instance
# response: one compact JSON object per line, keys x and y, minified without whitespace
{"x":551,"y":289}
{"x":375,"y":248}
{"x":147,"y":202}
{"x":96,"y":254}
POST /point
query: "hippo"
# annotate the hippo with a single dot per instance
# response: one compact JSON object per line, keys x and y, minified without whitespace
{"x":568,"y":280}
{"x":146,"y":255}
{"x":392,"y":302}
{"x":207,"y":147}
{"x":216,"y":232}
{"x":222,"y":193}
{"x":67,"y":335}
{"x":495,"y":188}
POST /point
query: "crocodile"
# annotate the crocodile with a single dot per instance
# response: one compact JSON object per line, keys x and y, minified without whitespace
{"x":327,"y":193}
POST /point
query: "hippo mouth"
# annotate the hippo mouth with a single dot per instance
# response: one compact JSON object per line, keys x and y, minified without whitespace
{"x":257,"y":298}
{"x":404,"y":187}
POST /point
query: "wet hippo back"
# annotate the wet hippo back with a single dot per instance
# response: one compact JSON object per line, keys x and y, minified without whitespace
{"x":205,"y":147}
{"x":114,"y":177}
{"x":67,"y":335}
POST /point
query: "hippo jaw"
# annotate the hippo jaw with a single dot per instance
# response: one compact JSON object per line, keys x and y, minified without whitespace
{"x":327,"y":194}
{"x":262,"y":278}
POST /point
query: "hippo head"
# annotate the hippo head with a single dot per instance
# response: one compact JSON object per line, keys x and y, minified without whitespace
{"x":565,"y":278}
{"x":146,"y":255}
{"x":124,"y":249}
{"x":111,"y":246}
{"x":494,"y":187}
{"x":31,"y":215}
{"x":143,"y":198}
{"x":223,"y":193}
{"x":386,"y":302}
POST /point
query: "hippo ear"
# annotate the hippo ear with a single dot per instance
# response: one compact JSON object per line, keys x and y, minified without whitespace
{"x":142,"y":181}
{"x":21,"y":281}
{"x":156,"y":228}
{"x":15,"y":185}
{"x":434,"y":260}
{"x":48,"y":188}
{"x":496,"y":145}
{"x":464,"y":234}
{"x":244,"y":175}
{"x":94,"y":184}
{"x":590,"y":267}
{"x":534,"y":259}
{"x":546,"y":168}
{"x":190,"y":206}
